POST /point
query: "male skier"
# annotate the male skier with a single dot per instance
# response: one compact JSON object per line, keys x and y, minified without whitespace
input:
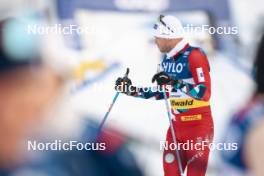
{"x":186,"y":70}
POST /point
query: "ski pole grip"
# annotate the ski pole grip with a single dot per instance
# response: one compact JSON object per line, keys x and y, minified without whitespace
{"x":127,"y":72}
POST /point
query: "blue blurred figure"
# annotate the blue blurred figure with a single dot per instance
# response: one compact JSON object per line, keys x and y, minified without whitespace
{"x":28,"y":87}
{"x":247,"y":130}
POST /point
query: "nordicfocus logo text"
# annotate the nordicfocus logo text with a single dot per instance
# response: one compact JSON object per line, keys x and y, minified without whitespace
{"x":61,"y":145}
{"x":201,"y":145}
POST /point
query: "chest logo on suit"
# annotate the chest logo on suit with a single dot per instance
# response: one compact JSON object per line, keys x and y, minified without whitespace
{"x":172,"y":67}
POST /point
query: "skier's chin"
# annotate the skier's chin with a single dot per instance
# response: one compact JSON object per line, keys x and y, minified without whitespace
{"x":162,"y":50}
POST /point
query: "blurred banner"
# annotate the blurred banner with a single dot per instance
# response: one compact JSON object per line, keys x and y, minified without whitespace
{"x":219,"y":9}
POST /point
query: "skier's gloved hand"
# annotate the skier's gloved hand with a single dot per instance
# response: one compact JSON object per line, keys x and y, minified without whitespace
{"x":124,"y":85}
{"x":163,"y":78}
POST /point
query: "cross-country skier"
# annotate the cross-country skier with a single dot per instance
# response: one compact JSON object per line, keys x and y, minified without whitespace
{"x":186,"y":69}
{"x":246,"y":130}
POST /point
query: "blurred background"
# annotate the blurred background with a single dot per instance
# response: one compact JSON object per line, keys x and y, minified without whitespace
{"x":116,"y":34}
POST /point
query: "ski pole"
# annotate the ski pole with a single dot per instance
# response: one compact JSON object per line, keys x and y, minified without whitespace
{"x":173,"y":132}
{"x":111,"y":105}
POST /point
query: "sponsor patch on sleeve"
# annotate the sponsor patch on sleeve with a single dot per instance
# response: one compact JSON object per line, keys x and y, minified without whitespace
{"x":200,"y":74}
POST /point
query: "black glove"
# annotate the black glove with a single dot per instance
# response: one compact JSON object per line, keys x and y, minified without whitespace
{"x":124,"y":85}
{"x":162,"y":78}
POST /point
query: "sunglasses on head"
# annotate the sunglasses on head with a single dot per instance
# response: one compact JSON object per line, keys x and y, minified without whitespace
{"x":163,"y":23}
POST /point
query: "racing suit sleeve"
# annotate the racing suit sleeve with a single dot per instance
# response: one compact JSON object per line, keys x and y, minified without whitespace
{"x":199,"y":67}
